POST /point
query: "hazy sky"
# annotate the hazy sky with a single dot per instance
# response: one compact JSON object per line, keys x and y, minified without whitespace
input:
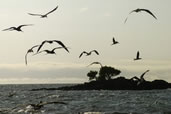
{"x":84,"y":25}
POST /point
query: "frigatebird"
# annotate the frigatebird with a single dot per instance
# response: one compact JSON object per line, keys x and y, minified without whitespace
{"x":45,"y":15}
{"x":88,"y":53}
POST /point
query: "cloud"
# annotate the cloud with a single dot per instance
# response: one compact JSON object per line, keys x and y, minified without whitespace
{"x":48,"y":72}
{"x":84,"y":9}
{"x":107,"y":14}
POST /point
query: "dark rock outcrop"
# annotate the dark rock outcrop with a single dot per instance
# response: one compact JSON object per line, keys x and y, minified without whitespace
{"x":119,"y":83}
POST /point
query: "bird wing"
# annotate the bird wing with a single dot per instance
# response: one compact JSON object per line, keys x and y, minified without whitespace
{"x":57,"y":48}
{"x":83,"y":53}
{"x":34,"y":14}
{"x":11,"y":28}
{"x":25,"y":25}
{"x":95,"y":51}
{"x":60,"y":43}
{"x":52,"y":10}
{"x":142,"y":75}
{"x":41,"y":52}
{"x":26,"y":58}
{"x":138,"y":54}
{"x":35,"y":46}
{"x":148,"y":11}
{"x":114,"y":40}
{"x":40,"y":46}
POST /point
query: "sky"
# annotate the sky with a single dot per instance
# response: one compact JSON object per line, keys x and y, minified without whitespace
{"x":84,"y":25}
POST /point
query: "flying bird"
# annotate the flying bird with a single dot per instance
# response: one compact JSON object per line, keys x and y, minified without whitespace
{"x":95,"y":63}
{"x":89,"y":53}
{"x":142,"y":77}
{"x":17,"y":28}
{"x":50,"y":42}
{"x":139,"y":10}
{"x":49,"y":51}
{"x":138,"y":56}
{"x":114,"y":41}
{"x":30,"y":51}
{"x":45,"y":15}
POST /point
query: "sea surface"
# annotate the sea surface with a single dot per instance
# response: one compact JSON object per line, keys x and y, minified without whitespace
{"x":17,"y":99}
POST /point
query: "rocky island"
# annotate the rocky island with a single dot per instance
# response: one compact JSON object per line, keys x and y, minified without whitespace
{"x":104,"y":81}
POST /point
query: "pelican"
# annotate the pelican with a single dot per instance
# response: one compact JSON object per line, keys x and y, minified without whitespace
{"x":30,"y":51}
{"x":95,"y":63}
{"x":49,"y":51}
{"x":114,"y":41}
{"x":17,"y":28}
{"x":139,"y":10}
{"x":88,"y":53}
{"x":138,"y":56}
{"x":50,"y":42}
{"x":45,"y":15}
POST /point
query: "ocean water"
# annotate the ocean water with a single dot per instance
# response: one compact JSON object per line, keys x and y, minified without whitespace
{"x":16,"y":99}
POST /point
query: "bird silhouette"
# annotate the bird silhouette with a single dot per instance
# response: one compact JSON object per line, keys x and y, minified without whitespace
{"x":88,"y":53}
{"x":95,"y":63}
{"x":17,"y":28}
{"x":50,"y":42}
{"x":139,"y":10}
{"x":138,"y":56}
{"x":114,"y":41}
{"x":41,"y":104}
{"x":30,"y":51}
{"x":45,"y":15}
{"x":142,"y":77}
{"x":49,"y":51}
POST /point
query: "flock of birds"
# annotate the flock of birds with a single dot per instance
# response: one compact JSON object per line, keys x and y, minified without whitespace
{"x":62,"y":46}
{"x":39,"y":47}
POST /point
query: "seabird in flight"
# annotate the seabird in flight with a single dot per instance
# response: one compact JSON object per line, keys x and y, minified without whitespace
{"x":49,"y":51}
{"x":88,"y":53}
{"x":139,"y":10}
{"x":30,"y":51}
{"x":45,"y":15}
{"x":138,"y":56}
{"x":114,"y":41}
{"x":50,"y":42}
{"x":17,"y":28}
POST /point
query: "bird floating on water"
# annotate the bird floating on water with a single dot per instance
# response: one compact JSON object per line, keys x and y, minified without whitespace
{"x":88,"y":53}
{"x":17,"y":28}
{"x":45,"y":15}
{"x":30,"y":51}
{"x":114,"y":41}
{"x":50,"y":42}
{"x":138,"y":56}
{"x":139,"y":10}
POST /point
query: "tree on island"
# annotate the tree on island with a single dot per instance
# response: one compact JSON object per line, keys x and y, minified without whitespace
{"x":92,"y":75}
{"x":105,"y":73}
